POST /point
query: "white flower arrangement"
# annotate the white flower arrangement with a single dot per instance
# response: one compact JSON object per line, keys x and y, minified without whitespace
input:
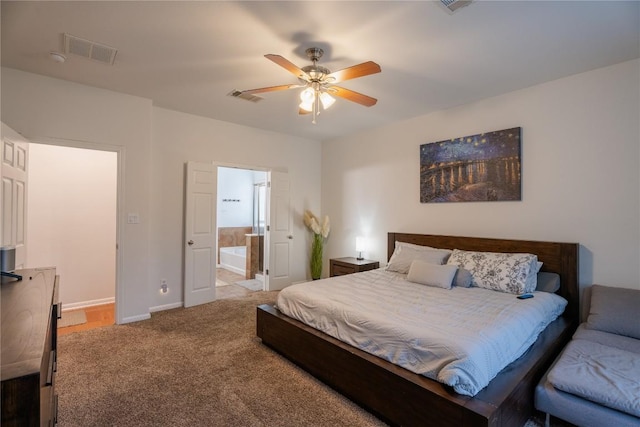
{"x":312,"y":223}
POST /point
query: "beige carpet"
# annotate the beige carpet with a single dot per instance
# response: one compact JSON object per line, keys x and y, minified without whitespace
{"x":201,"y":366}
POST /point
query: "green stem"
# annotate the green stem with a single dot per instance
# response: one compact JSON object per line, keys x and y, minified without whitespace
{"x":316,"y":257}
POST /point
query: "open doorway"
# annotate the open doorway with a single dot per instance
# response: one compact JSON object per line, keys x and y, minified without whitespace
{"x":71,"y":223}
{"x":241,"y":219}
{"x":201,"y":226}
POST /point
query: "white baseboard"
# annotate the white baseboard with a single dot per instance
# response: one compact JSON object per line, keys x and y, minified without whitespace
{"x":137,"y":318}
{"x":165,"y":307}
{"x":85,"y":304}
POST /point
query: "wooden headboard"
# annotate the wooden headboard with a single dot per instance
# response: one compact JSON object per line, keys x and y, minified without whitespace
{"x":560,"y":258}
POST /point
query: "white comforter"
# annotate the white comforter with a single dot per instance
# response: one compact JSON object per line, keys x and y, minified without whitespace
{"x":462,"y":337}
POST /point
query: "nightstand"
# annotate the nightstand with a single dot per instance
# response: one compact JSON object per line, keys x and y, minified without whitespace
{"x":349,"y":265}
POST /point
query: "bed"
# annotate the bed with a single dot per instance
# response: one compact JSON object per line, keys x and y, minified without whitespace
{"x":401,"y":397}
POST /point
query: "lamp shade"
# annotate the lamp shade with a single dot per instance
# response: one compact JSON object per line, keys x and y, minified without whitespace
{"x":308,"y":95}
{"x":361,"y":243}
{"x":306,"y":106}
{"x":327,"y":100}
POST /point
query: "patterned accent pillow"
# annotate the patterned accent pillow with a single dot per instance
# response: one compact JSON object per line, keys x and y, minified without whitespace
{"x":504,"y":272}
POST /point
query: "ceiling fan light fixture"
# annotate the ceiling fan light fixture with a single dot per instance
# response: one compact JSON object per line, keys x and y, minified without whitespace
{"x":317,"y":83}
{"x":327,"y":100}
{"x":307,"y":96}
{"x":307,"y":106}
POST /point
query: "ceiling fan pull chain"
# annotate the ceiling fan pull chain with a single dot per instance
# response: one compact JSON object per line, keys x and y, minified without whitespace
{"x":315,"y":108}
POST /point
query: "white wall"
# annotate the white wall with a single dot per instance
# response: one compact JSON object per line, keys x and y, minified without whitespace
{"x":179,"y":138}
{"x":235,"y":197}
{"x":155,"y":144}
{"x":41,"y":107}
{"x":580,"y":174}
{"x":72,"y":220}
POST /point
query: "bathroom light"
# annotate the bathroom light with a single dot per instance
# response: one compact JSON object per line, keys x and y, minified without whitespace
{"x":360,"y":247}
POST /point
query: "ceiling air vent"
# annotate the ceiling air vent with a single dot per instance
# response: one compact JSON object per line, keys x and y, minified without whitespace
{"x":246,"y":96}
{"x":452,"y":5}
{"x":88,"y":49}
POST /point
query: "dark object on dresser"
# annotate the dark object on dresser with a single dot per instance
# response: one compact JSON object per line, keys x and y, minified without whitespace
{"x":8,"y":262}
{"x":350,"y":265}
{"x":401,"y":397}
{"x":30,"y":313}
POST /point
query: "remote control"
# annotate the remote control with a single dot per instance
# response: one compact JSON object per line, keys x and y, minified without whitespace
{"x":525,"y":296}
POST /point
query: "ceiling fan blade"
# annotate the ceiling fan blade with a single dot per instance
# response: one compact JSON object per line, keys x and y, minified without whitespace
{"x":289,"y":66}
{"x":270,"y":89}
{"x":360,"y":70}
{"x":351,"y":95}
{"x":302,"y":111}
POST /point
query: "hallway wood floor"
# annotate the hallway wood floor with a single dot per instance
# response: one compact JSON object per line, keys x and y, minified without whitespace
{"x":97,"y":317}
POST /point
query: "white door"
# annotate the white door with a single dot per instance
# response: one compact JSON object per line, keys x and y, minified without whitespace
{"x":200,"y":234}
{"x":15,"y":150}
{"x":279,"y":255}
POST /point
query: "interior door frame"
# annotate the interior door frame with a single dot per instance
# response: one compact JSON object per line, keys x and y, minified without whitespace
{"x":120,"y":217}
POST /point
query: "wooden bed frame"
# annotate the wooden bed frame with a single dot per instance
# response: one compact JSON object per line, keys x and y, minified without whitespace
{"x":401,"y":397}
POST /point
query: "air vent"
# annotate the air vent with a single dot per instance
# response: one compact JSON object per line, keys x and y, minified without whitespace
{"x":246,"y":96}
{"x":455,"y":4}
{"x":88,"y":49}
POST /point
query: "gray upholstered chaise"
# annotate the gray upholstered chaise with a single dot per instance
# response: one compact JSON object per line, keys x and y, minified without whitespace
{"x":596,"y":379}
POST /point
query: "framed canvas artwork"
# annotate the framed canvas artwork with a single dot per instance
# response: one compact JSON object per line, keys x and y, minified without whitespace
{"x":476,"y":168}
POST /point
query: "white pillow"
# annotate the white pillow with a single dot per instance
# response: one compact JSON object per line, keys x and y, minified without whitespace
{"x":404,"y":255}
{"x":440,"y":276}
{"x":419,"y":247}
{"x":504,"y":272}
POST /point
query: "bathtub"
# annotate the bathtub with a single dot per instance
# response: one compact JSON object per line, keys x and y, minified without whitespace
{"x":234,"y":258}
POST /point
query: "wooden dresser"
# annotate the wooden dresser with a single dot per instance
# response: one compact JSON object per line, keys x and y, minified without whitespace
{"x":30,"y":313}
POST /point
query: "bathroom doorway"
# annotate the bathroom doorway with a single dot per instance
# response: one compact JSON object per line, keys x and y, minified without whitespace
{"x":241,"y":219}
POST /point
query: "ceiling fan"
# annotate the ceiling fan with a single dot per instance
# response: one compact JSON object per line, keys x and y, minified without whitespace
{"x":319,"y":82}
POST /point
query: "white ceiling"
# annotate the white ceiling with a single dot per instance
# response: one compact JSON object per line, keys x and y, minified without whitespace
{"x":188,"y":56}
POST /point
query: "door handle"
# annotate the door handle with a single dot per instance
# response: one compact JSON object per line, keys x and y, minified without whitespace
{"x":289,"y":237}
{"x":190,"y":242}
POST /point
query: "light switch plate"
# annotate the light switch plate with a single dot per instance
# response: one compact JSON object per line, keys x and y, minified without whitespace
{"x":133,"y":218}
